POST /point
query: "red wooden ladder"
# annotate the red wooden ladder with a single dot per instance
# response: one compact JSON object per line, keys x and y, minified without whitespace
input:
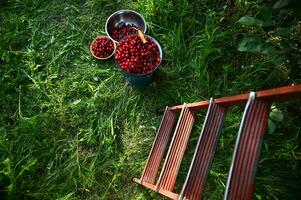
{"x":241,"y":176}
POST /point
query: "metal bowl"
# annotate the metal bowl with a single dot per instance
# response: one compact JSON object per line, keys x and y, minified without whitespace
{"x":124,"y":17}
{"x":115,"y":47}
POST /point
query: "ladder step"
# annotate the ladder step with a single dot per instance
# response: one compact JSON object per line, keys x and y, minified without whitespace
{"x":205,"y":149}
{"x":241,"y":177}
{"x":176,"y":151}
{"x":153,"y":162}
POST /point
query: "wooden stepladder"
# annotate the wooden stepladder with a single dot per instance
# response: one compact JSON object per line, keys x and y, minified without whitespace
{"x":241,"y":178}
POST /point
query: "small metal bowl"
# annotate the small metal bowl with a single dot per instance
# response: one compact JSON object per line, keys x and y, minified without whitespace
{"x":109,"y":55}
{"x":124,"y":17}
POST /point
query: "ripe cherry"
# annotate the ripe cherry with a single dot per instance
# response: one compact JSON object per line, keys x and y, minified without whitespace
{"x":123,"y":31}
{"x":102,"y":47}
{"x":135,"y":57}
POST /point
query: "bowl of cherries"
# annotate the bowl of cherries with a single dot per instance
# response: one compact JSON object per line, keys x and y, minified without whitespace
{"x":123,"y":23}
{"x":102,"y":47}
{"x":138,"y":55}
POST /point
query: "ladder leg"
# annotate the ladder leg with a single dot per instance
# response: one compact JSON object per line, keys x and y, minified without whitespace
{"x":242,"y":172}
{"x":197,"y":175}
{"x":155,"y":157}
{"x":166,"y":181}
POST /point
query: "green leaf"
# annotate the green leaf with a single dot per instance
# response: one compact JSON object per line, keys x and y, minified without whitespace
{"x":278,"y":58}
{"x":268,"y":49}
{"x":27,"y":167}
{"x":266,"y":16}
{"x":258,"y":196}
{"x":283,"y":31}
{"x":247,"y":20}
{"x":251,"y":44}
{"x":266,"y":146}
{"x":271,"y":126}
{"x":297,"y":8}
{"x":281,"y":3}
{"x":10,"y":188}
{"x":7,"y":170}
{"x":276,"y":115}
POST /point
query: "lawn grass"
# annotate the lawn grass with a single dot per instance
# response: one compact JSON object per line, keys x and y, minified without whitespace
{"x":72,"y":128}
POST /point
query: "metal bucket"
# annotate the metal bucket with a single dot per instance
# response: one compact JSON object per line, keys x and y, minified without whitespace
{"x":139,"y":81}
{"x":146,"y":79}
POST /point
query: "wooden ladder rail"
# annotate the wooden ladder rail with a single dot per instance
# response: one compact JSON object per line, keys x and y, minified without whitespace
{"x":156,"y":154}
{"x":241,"y":178}
{"x":167,"y":179}
{"x":270,"y":95}
{"x":197,"y":175}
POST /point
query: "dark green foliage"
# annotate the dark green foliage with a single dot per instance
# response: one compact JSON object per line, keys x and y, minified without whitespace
{"x":276,"y":35}
{"x":72,"y":128}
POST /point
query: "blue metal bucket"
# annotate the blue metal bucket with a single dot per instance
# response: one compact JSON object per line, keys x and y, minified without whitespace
{"x":139,"y":81}
{"x":143,"y":80}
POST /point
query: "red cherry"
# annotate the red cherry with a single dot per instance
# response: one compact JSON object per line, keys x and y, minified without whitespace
{"x":135,"y":57}
{"x":102,"y":47}
{"x":120,"y":32}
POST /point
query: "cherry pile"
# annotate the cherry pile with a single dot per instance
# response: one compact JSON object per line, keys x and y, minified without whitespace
{"x":135,"y":57}
{"x":123,"y":31}
{"x":102,"y":47}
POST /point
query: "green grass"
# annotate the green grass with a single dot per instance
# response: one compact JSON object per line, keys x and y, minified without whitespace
{"x":72,"y":128}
